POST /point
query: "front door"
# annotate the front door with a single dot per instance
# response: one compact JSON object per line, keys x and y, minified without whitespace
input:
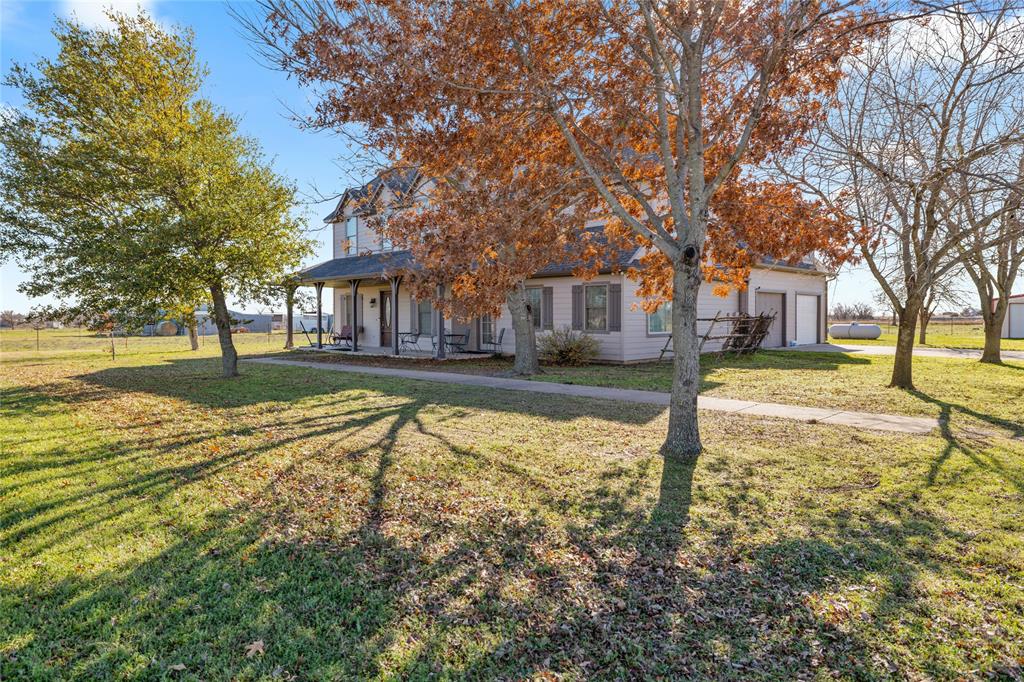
{"x":385,"y":318}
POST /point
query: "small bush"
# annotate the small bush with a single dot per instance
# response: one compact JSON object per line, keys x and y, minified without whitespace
{"x":567,"y":347}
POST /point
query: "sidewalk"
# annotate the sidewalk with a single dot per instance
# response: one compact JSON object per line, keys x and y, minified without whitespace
{"x":862,"y":420}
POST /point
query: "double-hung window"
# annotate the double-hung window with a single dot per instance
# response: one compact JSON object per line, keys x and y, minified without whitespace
{"x":660,"y":321}
{"x":351,"y":229}
{"x":595,"y":318}
{"x":486,"y":329}
{"x":534,"y":296}
{"x":424,"y":317}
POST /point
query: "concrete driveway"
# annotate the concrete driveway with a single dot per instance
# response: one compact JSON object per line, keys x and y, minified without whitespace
{"x":961,"y":353}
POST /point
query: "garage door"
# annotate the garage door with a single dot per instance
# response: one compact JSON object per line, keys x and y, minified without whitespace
{"x":772,"y":303}
{"x":1016,"y":326}
{"x":806,"y":319}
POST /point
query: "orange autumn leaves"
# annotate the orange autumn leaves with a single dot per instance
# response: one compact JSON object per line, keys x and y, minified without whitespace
{"x":534,"y":117}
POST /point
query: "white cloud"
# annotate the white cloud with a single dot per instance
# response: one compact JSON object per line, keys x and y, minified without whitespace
{"x":93,"y":12}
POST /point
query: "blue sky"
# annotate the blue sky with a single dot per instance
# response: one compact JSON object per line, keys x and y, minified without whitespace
{"x":261,"y":98}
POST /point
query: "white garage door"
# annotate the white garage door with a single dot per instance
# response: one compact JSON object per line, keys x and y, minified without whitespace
{"x":772,"y":304}
{"x":806,"y":319}
{"x":1016,"y":315}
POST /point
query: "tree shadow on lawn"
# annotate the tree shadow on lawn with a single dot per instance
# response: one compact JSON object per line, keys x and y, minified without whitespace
{"x":404,"y":577}
{"x":969,"y":442}
{"x":196,"y":381}
{"x":502,"y":595}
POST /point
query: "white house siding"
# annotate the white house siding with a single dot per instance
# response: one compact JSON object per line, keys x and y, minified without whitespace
{"x":609,"y":343}
{"x":639,"y":345}
{"x":790,"y":283}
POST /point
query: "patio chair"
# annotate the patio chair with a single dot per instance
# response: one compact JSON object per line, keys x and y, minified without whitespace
{"x":456,"y":343}
{"x":408,"y":341}
{"x":494,"y":345}
{"x":344,"y":335}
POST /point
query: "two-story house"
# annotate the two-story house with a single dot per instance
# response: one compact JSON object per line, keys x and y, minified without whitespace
{"x":364,"y":275}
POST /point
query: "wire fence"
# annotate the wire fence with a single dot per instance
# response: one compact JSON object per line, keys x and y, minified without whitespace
{"x":26,"y":339}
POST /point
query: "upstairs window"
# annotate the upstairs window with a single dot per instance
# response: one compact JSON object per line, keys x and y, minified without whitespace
{"x":351,"y":230}
{"x":385,"y":243}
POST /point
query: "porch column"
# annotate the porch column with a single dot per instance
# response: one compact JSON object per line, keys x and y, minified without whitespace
{"x":439,"y":312}
{"x":319,"y":315}
{"x":289,"y":297}
{"x":354,"y":286}
{"x":395,"y":282}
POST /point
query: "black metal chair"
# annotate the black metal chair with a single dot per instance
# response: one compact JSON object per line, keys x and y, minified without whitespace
{"x":494,"y":345}
{"x":456,"y":343}
{"x":408,"y":341}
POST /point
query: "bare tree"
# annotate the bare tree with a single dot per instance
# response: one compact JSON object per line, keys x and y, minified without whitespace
{"x":925,"y":106}
{"x":988,"y":211}
{"x":9,"y":318}
{"x":944,"y":291}
{"x":852,"y":311}
{"x":38,"y":322}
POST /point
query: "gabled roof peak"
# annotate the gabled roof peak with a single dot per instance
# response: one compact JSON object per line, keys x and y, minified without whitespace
{"x":401,"y":180}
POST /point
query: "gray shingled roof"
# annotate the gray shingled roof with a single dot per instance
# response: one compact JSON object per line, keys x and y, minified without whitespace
{"x":401,"y":181}
{"x":391,"y":262}
{"x":358,"y":267}
{"x":620,"y":260}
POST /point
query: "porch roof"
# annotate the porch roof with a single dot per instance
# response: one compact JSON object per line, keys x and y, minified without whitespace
{"x":366,"y":266}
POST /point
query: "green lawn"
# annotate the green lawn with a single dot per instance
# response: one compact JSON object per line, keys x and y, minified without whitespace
{"x":941,"y":334}
{"x":160,"y":522}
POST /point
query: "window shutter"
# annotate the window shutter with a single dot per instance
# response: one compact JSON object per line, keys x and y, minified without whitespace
{"x":414,"y":315}
{"x":547,"y":316}
{"x":359,"y":316}
{"x":577,"y":306}
{"x":614,"y":307}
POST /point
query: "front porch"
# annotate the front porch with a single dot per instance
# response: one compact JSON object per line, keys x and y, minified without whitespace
{"x":387,"y":352}
{"x":374,"y":315}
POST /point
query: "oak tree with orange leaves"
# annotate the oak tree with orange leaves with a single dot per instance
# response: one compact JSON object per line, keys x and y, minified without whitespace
{"x":666,"y":108}
{"x":479,"y":234}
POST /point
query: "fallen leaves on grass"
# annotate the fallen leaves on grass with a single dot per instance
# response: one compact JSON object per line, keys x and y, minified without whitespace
{"x":254,"y":648}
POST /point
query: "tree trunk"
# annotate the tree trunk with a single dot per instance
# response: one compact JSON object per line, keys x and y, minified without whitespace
{"x":925,"y":318}
{"x":994,"y":330}
{"x":289,"y":337}
{"x":683,"y":440}
{"x":193,"y":335}
{"x":526,"y":361}
{"x":903,"y":363}
{"x":228,"y":354}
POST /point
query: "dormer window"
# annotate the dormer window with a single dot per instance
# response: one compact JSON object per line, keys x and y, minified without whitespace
{"x":351,"y":229}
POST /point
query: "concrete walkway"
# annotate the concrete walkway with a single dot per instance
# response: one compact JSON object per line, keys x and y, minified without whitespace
{"x":862,"y":420}
{"x":959,"y":353}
